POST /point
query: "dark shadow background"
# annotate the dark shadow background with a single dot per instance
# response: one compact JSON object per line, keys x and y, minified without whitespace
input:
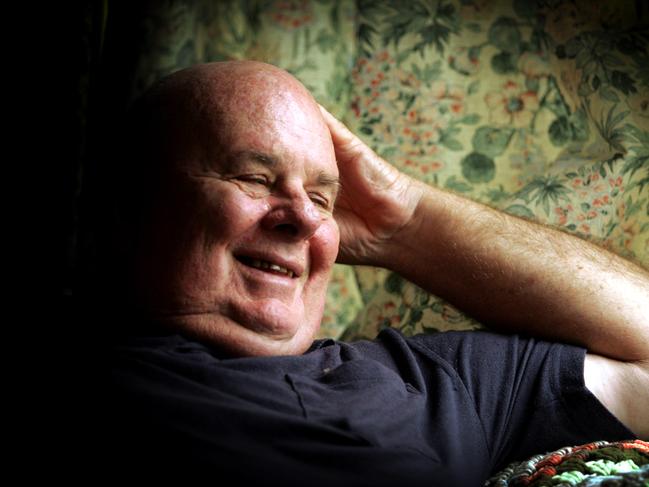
{"x":78,"y":83}
{"x":101,"y":42}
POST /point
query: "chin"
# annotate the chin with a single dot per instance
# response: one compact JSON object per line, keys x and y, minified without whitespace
{"x":275,"y":337}
{"x":251,"y":344}
{"x":238,"y":338}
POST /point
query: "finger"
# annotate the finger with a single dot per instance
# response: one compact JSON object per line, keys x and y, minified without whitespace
{"x":340,"y":133}
{"x":345,"y":142}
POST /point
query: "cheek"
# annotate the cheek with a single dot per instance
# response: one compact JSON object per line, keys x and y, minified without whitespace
{"x":325,"y":242}
{"x":231,"y":215}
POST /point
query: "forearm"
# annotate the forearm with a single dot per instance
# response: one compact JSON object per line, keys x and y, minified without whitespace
{"x":518,"y":276}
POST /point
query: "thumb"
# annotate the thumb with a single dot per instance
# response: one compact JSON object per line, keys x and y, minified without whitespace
{"x":356,"y":160}
{"x":346,"y":144}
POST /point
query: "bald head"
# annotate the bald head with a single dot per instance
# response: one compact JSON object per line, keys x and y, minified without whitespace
{"x":235,"y":81}
{"x":217,"y":99}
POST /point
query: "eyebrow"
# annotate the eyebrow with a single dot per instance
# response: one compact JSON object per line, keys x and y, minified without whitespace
{"x":323,"y":178}
{"x":265,"y":159}
{"x":332,"y":182}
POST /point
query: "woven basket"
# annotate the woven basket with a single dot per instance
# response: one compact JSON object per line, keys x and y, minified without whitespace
{"x":602,"y":463}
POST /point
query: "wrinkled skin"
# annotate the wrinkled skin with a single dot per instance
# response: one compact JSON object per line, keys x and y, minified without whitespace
{"x":251,"y":177}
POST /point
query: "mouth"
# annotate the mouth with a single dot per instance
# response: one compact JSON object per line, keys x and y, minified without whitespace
{"x":267,"y":266}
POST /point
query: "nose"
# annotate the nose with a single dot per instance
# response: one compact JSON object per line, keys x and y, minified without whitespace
{"x":293,"y":215}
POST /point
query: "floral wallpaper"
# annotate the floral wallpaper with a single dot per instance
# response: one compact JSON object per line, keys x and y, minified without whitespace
{"x":539,"y":108}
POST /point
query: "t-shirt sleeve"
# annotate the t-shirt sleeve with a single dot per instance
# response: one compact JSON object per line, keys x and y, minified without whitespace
{"x":530,"y":395}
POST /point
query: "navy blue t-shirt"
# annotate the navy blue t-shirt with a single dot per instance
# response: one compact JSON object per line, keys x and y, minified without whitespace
{"x":440,"y":409}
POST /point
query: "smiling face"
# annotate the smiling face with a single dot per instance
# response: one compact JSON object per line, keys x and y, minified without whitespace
{"x":241,"y":242}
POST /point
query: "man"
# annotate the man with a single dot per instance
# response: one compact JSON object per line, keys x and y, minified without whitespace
{"x":242,"y":195}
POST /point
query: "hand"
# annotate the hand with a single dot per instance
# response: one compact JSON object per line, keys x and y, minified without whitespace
{"x":376,"y":200}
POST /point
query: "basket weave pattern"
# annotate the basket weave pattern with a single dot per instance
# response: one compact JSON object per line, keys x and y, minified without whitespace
{"x":601,"y":463}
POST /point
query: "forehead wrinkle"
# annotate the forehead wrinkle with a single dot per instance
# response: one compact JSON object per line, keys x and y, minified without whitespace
{"x":325,"y":179}
{"x":267,"y":160}
{"x":308,"y":126}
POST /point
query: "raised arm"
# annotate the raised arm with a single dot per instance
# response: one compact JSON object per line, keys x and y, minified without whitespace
{"x":511,"y":274}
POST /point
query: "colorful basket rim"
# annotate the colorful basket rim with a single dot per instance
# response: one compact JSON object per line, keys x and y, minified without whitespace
{"x":544,"y":466}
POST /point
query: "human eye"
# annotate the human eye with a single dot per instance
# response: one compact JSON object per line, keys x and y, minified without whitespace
{"x":253,"y":178}
{"x":319,"y":200}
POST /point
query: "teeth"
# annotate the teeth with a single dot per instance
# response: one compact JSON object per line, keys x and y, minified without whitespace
{"x":262,"y":264}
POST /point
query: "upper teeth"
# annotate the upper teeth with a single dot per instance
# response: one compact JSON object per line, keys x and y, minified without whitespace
{"x":262,"y":264}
